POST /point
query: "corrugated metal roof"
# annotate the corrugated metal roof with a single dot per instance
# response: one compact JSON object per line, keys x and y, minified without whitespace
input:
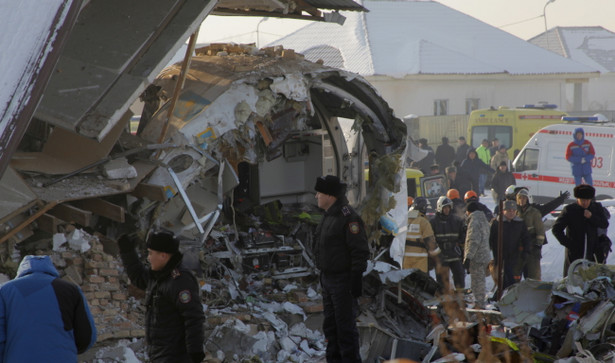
{"x":399,"y":38}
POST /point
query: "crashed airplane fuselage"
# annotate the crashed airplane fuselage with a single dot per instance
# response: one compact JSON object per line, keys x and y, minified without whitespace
{"x":260,"y":126}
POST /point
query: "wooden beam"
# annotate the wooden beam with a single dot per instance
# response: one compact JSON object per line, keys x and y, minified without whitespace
{"x":25,"y":223}
{"x":69,"y":213}
{"x":48,"y":223}
{"x":149,"y":191}
{"x":102,"y":208}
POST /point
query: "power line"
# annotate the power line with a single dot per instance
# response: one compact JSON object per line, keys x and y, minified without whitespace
{"x":521,"y":21}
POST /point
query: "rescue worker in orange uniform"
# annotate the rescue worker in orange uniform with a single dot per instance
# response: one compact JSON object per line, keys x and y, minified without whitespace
{"x":420,"y":239}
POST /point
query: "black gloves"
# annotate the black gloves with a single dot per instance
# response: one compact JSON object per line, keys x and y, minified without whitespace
{"x":564,"y":194}
{"x":197,"y":357}
{"x":466,"y":265}
{"x":127,"y":242}
{"x":356,"y":284}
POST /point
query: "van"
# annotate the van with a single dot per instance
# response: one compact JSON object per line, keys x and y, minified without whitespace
{"x":511,"y":126}
{"x":542,"y":166}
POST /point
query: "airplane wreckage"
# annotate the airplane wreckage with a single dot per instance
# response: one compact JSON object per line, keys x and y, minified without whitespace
{"x":225,"y":154}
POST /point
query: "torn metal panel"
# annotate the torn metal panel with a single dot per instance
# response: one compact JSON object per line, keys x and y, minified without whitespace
{"x":295,"y":9}
{"x":34,"y":34}
{"x":16,"y":194}
{"x":115,"y":50}
{"x":534,"y":296}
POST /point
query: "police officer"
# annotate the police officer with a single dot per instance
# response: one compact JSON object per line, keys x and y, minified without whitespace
{"x":341,"y":252}
{"x":536,"y":229}
{"x":449,"y":233}
{"x":174,"y":315}
{"x":420,"y":240}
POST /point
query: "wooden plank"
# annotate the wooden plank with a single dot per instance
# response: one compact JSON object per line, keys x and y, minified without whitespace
{"x":69,"y":213}
{"x":102,"y":208}
{"x":149,"y":191}
{"x":27,"y":222}
{"x":48,"y":223}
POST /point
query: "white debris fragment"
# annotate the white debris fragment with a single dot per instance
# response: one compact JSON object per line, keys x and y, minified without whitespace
{"x":206,"y":287}
{"x":312,"y":294}
{"x":58,"y":240}
{"x":119,"y":169}
{"x":78,"y":240}
{"x":289,"y":287}
{"x":294,"y":309}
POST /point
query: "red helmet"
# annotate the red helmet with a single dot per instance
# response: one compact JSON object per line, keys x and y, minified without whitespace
{"x":469,"y":195}
{"x":452,"y":194}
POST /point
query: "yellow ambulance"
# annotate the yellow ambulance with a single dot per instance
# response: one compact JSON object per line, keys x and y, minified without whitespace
{"x":513,"y":127}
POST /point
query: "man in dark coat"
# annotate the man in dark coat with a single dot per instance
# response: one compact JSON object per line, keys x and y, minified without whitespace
{"x":174,"y":315}
{"x":445,"y":153}
{"x":472,"y":167}
{"x":501,"y":180}
{"x":515,"y":243}
{"x":580,"y":221}
{"x":462,"y":150}
{"x":340,"y":252}
{"x":425,"y":163}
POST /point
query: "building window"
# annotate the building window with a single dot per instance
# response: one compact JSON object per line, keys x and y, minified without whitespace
{"x":440,"y":107}
{"x":471,"y":105}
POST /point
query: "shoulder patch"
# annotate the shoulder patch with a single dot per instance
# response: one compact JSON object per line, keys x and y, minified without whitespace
{"x":346,"y":211}
{"x":175,"y":273}
{"x":185,"y":296}
{"x":354,"y":227}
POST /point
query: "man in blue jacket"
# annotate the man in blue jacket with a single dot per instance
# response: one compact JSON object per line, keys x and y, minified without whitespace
{"x":42,"y":317}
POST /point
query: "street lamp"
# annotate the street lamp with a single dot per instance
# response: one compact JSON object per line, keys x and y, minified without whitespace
{"x":544,"y":15}
{"x":258,"y":43}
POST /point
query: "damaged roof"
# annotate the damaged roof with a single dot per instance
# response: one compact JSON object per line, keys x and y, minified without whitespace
{"x":400,"y":38}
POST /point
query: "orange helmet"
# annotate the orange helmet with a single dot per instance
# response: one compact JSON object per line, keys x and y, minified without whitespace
{"x":470,"y":194}
{"x":410,"y":201}
{"x":452,"y":194}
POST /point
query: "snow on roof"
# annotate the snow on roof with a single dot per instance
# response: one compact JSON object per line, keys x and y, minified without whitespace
{"x":593,"y":46}
{"x":398,"y":38}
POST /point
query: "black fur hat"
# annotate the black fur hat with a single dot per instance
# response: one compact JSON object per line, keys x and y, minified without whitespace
{"x":163,"y":242}
{"x":584,"y":191}
{"x":330,"y":185}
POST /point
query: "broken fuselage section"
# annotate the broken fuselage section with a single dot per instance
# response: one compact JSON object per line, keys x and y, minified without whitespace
{"x":252,"y":130}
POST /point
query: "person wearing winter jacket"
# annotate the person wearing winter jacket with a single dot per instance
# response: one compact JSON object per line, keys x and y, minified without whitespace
{"x":43,"y":318}
{"x":501,"y":180}
{"x":462,"y":150}
{"x":450,"y":236}
{"x":580,"y":153}
{"x":484,"y":154}
{"x":174,"y":315}
{"x":476,"y":251}
{"x":577,"y":226}
{"x":445,"y":153}
{"x":515,"y":243}
{"x":536,"y":229}
{"x":498,"y":157}
{"x":472,"y":167}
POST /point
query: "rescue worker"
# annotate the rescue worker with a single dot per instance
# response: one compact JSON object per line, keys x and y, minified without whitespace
{"x":580,"y":221}
{"x":420,"y":240}
{"x":450,"y":237}
{"x":536,"y":229}
{"x":580,"y":153}
{"x":515,"y":243}
{"x":459,"y":206}
{"x":471,"y":196}
{"x":544,"y":209}
{"x":484,"y":154}
{"x":476,"y":252}
{"x":341,"y":252}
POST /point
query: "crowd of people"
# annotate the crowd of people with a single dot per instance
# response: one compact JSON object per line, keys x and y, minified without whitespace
{"x":468,"y":168}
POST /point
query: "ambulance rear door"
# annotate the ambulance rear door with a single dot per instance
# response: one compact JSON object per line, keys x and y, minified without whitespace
{"x":525,"y":168}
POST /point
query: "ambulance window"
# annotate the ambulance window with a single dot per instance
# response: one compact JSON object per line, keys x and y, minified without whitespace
{"x":411,"y":187}
{"x":527,"y":160}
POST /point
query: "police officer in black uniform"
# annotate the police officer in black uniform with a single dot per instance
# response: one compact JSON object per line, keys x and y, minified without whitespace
{"x":450,"y":236}
{"x":174,"y":315}
{"x":341,"y":252}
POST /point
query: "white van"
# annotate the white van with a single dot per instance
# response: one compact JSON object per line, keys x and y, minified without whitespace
{"x":542,"y":166}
